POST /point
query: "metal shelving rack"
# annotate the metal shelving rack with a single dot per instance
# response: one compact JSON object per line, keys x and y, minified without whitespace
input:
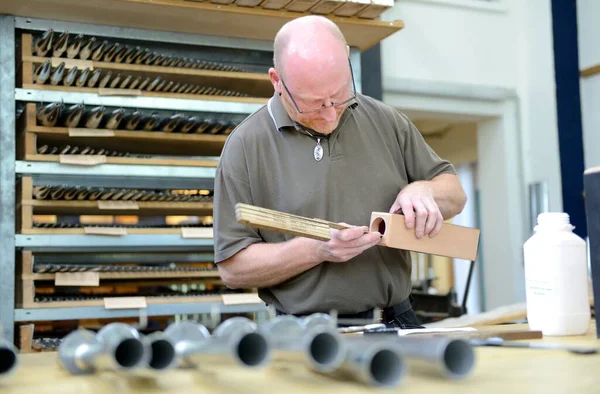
{"x":109,"y":175}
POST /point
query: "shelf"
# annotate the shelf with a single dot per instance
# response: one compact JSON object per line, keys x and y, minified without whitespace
{"x":115,"y":175}
{"x":98,"y":312}
{"x":170,"y":143}
{"x":255,"y":84}
{"x":136,"y":275}
{"x":193,"y":17}
{"x":102,"y":243}
{"x":43,"y":207}
{"x":199,"y":103}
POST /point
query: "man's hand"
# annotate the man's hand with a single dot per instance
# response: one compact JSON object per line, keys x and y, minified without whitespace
{"x":346,"y":244}
{"x":417,"y":204}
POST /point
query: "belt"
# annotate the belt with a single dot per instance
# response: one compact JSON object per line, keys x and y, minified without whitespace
{"x":387,"y":313}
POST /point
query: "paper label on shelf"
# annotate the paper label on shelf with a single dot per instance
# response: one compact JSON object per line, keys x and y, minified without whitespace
{"x":83,"y":160}
{"x":191,"y":232}
{"x":77,"y":279}
{"x":105,"y":230}
{"x":91,"y":133}
{"x":125,"y":302}
{"x":118,"y":204}
{"x":119,"y":92}
{"x":238,"y":299}
{"x":70,"y":63}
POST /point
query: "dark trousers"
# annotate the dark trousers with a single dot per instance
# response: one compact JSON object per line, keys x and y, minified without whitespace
{"x":401,"y":315}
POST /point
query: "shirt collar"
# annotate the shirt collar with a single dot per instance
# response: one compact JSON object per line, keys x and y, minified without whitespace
{"x":279,"y":115}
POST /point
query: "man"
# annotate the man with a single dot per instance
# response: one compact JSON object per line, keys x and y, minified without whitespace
{"x":320,"y":150}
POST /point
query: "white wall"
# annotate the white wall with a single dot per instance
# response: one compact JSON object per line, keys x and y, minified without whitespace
{"x":589,"y":55}
{"x":485,"y":53}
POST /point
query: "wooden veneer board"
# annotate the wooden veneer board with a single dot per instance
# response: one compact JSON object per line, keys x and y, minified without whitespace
{"x":452,"y":240}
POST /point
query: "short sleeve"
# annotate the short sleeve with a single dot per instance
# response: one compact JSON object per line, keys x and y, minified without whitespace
{"x":422,"y":163}
{"x":231,"y":188}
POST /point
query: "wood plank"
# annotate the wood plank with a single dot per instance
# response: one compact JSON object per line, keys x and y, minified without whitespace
{"x":593,"y":70}
{"x":26,"y":338}
{"x":133,"y":161}
{"x":254,"y":84}
{"x":135,"y":275}
{"x":100,"y":302}
{"x":193,"y":17}
{"x":173,"y":230}
{"x":251,"y":100}
{"x":91,"y":207}
{"x":143,"y":142}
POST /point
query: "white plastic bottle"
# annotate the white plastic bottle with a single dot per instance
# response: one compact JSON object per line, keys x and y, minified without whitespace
{"x":556,"y":277}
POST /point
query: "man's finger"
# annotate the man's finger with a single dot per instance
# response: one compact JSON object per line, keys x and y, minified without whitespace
{"x":348,"y":234}
{"x":421,"y":214}
{"x":395,"y":206}
{"x":408,"y":212}
{"x":432,"y":217}
{"x":438,"y":226}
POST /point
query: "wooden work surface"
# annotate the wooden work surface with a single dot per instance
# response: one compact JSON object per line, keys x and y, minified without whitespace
{"x":497,"y":370}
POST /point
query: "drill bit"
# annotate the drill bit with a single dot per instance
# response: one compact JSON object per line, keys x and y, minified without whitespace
{"x":157,"y":61}
{"x":135,"y":82}
{"x":71,"y":193}
{"x":140,"y":56}
{"x":205,"y":124}
{"x":115,"y":81}
{"x":229,"y":128}
{"x":182,"y":88}
{"x":58,"y":73}
{"x":111,"y":51}
{"x":99,"y":50}
{"x":82,"y":77}
{"x":94,"y":79}
{"x":75,"y":46}
{"x":44,"y":44}
{"x":169,"y":60}
{"x":113,"y":119}
{"x":70,"y":76}
{"x":167,"y":87}
{"x":48,"y":115}
{"x":125,"y":82}
{"x":71,"y":116}
{"x":61,"y":44}
{"x":42,"y":72}
{"x":86,"y":50}
{"x":132,"y":120}
{"x":216,"y":127}
{"x":120,"y":56}
{"x":133,"y":55}
{"x":93,"y":117}
{"x":189,"y":124}
{"x":170,"y":124}
{"x":104,"y":80}
{"x":154,"y":84}
{"x":144,"y":83}
{"x":58,"y":193}
{"x":149,"y":123}
{"x":83,"y":193}
{"x":174,"y":88}
{"x":40,"y":192}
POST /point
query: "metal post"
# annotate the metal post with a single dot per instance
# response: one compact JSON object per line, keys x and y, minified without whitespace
{"x":356,"y":68}
{"x":7,"y":175}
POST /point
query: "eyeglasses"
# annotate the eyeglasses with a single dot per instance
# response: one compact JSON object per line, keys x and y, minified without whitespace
{"x":323,"y":106}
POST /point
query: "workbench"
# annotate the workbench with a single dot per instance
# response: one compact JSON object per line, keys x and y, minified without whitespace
{"x":497,"y":370}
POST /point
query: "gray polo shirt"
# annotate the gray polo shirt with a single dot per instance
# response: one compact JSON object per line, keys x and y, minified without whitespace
{"x":373,"y":153}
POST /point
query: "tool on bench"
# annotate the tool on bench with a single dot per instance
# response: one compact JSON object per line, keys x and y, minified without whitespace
{"x":499,"y":342}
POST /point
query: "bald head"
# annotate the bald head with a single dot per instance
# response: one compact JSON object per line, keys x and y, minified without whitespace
{"x":312,"y":40}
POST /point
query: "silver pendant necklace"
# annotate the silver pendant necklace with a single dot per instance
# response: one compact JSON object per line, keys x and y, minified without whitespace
{"x":318,"y":152}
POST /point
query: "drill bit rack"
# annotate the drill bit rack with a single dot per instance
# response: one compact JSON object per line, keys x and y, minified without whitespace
{"x":45,"y":282}
{"x":92,"y":135}
{"x":62,"y":209}
{"x":109,"y":68}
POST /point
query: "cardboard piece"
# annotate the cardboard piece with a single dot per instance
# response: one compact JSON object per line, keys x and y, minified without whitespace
{"x":105,"y":230}
{"x":238,"y":299}
{"x":196,"y":232}
{"x":76,"y":132}
{"x":119,"y":92}
{"x":125,"y":205}
{"x":77,"y":279}
{"x":452,"y":240}
{"x":83,"y":160}
{"x":125,"y":303}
